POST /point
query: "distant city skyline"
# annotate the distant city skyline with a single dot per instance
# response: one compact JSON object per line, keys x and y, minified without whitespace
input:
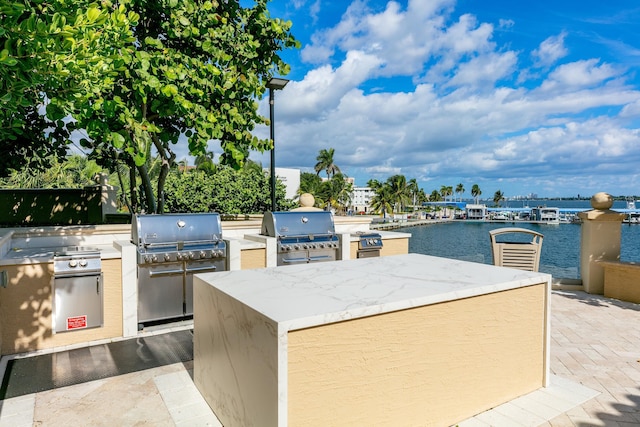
{"x":523,"y":97}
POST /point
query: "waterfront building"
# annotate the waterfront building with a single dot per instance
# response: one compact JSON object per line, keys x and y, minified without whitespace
{"x":361,"y":199}
{"x":477,"y":212}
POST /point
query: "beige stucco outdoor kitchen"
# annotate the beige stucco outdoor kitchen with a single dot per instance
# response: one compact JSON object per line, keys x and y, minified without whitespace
{"x":294,"y":333}
{"x":27,"y":262}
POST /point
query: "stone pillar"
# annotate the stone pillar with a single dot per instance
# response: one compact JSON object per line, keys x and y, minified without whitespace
{"x":599,"y":241}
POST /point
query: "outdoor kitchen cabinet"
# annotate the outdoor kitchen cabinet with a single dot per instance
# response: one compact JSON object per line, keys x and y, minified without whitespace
{"x":370,"y":341}
{"x":26,"y":308}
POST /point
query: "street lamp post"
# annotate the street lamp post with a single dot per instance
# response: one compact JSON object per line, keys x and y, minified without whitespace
{"x":273,"y":84}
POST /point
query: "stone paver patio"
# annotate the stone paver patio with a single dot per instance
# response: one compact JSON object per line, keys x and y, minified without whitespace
{"x":595,"y":354}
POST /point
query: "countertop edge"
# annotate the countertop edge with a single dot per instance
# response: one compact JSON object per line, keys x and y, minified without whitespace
{"x":361,"y":312}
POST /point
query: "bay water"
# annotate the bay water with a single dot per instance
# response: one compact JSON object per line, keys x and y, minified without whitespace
{"x":560,"y":257}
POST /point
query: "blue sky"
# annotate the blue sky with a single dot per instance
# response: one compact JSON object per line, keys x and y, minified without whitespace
{"x":523,"y":97}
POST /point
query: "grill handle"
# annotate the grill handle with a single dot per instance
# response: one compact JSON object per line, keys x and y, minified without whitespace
{"x":306,"y":236}
{"x":166,"y":273}
{"x":201,"y":269}
{"x":320,"y":257}
{"x":295,"y":260}
{"x":184,"y":243}
{"x":66,"y":275}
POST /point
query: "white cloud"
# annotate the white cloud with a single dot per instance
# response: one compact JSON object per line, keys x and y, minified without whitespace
{"x":550,"y":50}
{"x":485,"y":69}
{"x":465,"y":114}
{"x":584,"y":73}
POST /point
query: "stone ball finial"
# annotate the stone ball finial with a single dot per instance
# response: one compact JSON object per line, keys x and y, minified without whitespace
{"x":307,"y":200}
{"x":602,"y":201}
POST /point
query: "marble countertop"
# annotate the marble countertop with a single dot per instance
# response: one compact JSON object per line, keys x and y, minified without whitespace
{"x":301,"y":296}
{"x":18,"y":256}
{"x":386,"y":235}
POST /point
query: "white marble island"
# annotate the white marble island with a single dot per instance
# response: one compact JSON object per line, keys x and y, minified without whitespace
{"x":401,"y":340}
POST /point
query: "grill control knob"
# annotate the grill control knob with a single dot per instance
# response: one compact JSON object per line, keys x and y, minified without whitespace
{"x":83,"y":262}
{"x":154,"y":258}
{"x":192,"y":255}
{"x":73,"y":263}
{"x":167,"y":257}
{"x":147,"y":258}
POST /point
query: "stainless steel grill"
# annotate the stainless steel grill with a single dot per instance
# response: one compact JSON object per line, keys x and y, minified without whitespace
{"x":171,"y":249}
{"x":303,"y":237}
{"x":369,"y":244}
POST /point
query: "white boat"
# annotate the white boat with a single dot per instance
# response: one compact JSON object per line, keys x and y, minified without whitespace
{"x":546,"y":215}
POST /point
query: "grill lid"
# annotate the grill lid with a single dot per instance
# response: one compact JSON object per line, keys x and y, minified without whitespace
{"x":175,"y":229}
{"x":289,"y":224}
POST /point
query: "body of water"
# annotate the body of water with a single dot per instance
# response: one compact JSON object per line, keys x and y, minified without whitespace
{"x":560,"y":255}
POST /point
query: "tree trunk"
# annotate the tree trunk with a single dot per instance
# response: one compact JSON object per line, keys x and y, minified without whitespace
{"x":148,"y":190}
{"x":168,"y":159}
{"x":133,"y":189}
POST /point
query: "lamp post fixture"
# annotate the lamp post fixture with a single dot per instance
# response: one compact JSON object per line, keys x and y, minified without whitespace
{"x":273,"y":84}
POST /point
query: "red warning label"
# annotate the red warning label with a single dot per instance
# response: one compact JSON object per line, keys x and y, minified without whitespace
{"x":76,"y":322}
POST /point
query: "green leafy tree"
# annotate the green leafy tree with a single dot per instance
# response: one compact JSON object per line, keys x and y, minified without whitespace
{"x":476,"y":192}
{"x":191,"y":74}
{"x":227,"y":191}
{"x":435,"y":196}
{"x":325,"y":163}
{"x":76,"y":171}
{"x":52,"y":49}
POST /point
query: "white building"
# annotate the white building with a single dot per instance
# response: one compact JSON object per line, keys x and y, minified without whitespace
{"x":289,"y":177}
{"x":478,"y":212}
{"x":361,"y":199}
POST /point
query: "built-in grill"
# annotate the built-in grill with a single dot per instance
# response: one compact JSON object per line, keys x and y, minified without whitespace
{"x":302,"y":237}
{"x":171,"y":249}
{"x":369,"y":244}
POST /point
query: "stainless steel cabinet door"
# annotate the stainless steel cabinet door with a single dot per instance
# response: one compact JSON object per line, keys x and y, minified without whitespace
{"x":78,"y":303}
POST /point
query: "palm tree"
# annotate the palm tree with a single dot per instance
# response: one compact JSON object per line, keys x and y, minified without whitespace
{"x":435,"y":196}
{"x":498,"y":196}
{"x":205,"y":162}
{"x":476,"y":192}
{"x":400,"y":191}
{"x":309,"y":183}
{"x":460,"y":190}
{"x":325,"y":163}
{"x":414,"y":191}
{"x":383,"y":199}
{"x":446,"y":191}
{"x":336,"y":192}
